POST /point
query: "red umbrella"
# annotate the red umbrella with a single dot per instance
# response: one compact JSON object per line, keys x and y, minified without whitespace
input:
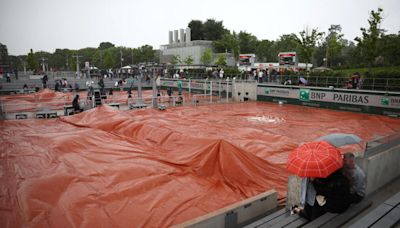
{"x":314,"y":159}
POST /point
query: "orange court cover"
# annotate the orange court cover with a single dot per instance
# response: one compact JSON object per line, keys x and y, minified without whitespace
{"x":151,"y":168}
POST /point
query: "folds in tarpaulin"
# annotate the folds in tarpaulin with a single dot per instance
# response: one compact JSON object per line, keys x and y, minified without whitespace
{"x":147,"y":168}
{"x":103,"y":168}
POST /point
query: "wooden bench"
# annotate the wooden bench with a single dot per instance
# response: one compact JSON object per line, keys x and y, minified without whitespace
{"x":280,"y":218}
{"x":283,"y":218}
{"x":67,"y":108}
{"x":20,"y":116}
{"x":137,"y":106}
{"x":114,"y":105}
{"x":385,"y":215}
{"x":46,"y":115}
{"x":338,"y":220}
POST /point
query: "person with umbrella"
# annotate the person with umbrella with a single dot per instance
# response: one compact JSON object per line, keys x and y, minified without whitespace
{"x":351,"y":170}
{"x":356,"y":177}
{"x":302,"y":81}
{"x":324,"y":187}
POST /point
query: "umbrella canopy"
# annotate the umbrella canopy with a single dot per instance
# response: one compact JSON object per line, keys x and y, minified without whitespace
{"x":303,"y":80}
{"x":340,"y":139}
{"x":314,"y":159}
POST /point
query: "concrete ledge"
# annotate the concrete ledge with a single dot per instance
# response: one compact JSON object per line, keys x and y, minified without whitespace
{"x":236,"y":213}
{"x":381,"y":168}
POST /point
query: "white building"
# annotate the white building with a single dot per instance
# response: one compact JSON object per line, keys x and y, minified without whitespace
{"x":184,"y":47}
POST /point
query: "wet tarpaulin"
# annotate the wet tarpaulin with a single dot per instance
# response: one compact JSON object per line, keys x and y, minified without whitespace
{"x":50,"y":100}
{"x":150,"y":168}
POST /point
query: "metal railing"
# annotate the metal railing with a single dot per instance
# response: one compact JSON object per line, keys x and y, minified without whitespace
{"x":381,"y":84}
{"x":381,"y":144}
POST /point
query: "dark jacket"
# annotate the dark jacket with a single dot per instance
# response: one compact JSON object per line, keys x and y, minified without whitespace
{"x":336,"y":189}
{"x":75,"y":104}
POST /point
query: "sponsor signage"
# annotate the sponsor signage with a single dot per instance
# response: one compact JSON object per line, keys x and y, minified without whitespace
{"x":332,"y":96}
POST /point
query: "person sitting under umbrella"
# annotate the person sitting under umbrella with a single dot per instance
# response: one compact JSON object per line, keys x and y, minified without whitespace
{"x":324,"y":187}
{"x":356,"y":177}
{"x":331,"y":194}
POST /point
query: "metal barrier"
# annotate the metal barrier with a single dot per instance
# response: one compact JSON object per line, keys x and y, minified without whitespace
{"x":378,"y":145}
{"x":382,"y":84}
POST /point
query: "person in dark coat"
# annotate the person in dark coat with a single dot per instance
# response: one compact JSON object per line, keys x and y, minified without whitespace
{"x":336,"y":192}
{"x":75,"y":104}
{"x":332,"y":195}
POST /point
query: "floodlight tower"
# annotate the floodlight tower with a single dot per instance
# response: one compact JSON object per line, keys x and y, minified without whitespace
{"x":77,"y":64}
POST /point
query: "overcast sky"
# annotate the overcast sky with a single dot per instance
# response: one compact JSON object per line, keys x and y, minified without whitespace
{"x":74,"y":24}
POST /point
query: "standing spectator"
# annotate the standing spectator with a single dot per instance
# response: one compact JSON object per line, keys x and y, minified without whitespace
{"x":57,"y":86}
{"x":76,"y":87}
{"x":129,"y":92}
{"x":16,"y":73}
{"x":221,"y":73}
{"x":44,"y":81}
{"x":355,"y":79}
{"x":8,"y":78}
{"x":260,"y":76}
{"x":101,"y":84}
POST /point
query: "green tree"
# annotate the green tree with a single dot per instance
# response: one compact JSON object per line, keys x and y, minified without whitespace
{"x":206,"y":57}
{"x":221,"y":60}
{"x":147,"y":54}
{"x":58,"y":59}
{"x":189,"y":60}
{"x":32,"y":61}
{"x":247,"y":42}
{"x":196,"y":29}
{"x":285,"y":43}
{"x":105,"y":45}
{"x":3,"y":55}
{"x":87,"y":54}
{"x":213,"y":30}
{"x":307,"y":43}
{"x":333,"y":45}
{"x":368,"y":43}
{"x":176,"y":59}
{"x":265,"y":51}
{"x":228,"y":43}
{"x":111,"y":55}
{"x":389,"y":46}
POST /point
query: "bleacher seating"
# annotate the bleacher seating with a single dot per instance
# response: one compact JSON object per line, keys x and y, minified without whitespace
{"x":386,"y":214}
{"x":19,"y":116}
{"x":114,"y":105}
{"x":283,"y":218}
{"x":137,"y":106}
{"x":68,"y":109}
{"x":46,"y":114}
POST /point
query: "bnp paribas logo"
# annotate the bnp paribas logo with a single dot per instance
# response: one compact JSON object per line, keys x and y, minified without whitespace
{"x":304,"y":95}
{"x":384,"y":101}
{"x":266,"y":91}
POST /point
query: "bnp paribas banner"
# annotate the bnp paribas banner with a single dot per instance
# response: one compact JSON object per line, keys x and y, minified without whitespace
{"x":390,"y":101}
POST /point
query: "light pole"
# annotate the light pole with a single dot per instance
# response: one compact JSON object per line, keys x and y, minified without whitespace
{"x":132,"y":56}
{"x":43,"y":64}
{"x":67,"y":64}
{"x":23,"y":63}
{"x":77,"y":64}
{"x":122,"y":59}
